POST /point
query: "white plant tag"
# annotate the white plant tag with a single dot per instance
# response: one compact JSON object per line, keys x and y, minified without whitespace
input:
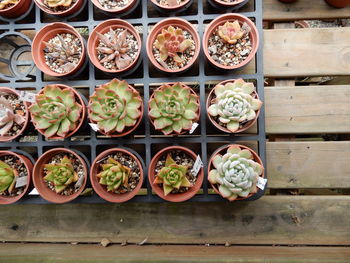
{"x":34,"y":192}
{"x":94,"y":126}
{"x":246,"y":28}
{"x":79,"y":183}
{"x":27,"y":96}
{"x":198,"y":164}
{"x":261,"y":183}
{"x":21,"y":181}
{"x":194,"y":127}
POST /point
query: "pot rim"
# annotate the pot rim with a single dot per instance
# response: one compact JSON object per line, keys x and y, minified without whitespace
{"x":228,"y":4}
{"x":115,"y":10}
{"x":47,"y":10}
{"x":168,"y":8}
{"x":8,"y":10}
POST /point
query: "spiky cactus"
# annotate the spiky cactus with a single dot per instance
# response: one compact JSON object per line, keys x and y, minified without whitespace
{"x":58,"y":3}
{"x":235,"y":172}
{"x":234,"y":104}
{"x":173,"y":108}
{"x":8,"y":117}
{"x":8,"y":177}
{"x":230,"y":32}
{"x":56,"y":111}
{"x":115,"y":106}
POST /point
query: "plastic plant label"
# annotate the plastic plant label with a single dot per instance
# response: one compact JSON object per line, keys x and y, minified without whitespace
{"x":21,"y":181}
{"x":34,"y":192}
{"x":198,"y":164}
{"x":194,"y":127}
{"x":246,"y":28}
{"x":94,"y":127}
{"x":27,"y":96}
{"x":79,"y":183}
{"x":261,"y":183}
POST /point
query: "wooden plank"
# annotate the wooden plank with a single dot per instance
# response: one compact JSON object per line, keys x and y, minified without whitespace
{"x":308,"y":164}
{"x":307,"y":109}
{"x":270,"y":220}
{"x":306,"y":52}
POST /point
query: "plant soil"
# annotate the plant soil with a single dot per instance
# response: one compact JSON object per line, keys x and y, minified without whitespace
{"x":6,"y":6}
{"x":114,"y":4}
{"x":59,"y":8}
{"x":165,"y":2}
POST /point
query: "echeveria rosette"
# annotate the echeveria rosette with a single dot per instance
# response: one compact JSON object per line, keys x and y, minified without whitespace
{"x":8,"y":177}
{"x":115,"y":106}
{"x":56,"y":111}
{"x":235,"y":172}
{"x":234,"y":104}
{"x":173,"y":108}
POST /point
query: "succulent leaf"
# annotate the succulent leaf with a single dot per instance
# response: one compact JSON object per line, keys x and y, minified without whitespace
{"x":230,"y":32}
{"x":8,"y":177}
{"x":8,"y":117}
{"x":58,"y":3}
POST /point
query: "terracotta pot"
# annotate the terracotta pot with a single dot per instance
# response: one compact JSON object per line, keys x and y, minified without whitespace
{"x":29,"y":167}
{"x":223,"y":4}
{"x":222,"y":150}
{"x":301,"y":24}
{"x":195,"y":120}
{"x":254,"y":38}
{"x":17,"y":10}
{"x":246,"y":126}
{"x":180,"y":197}
{"x":45,"y":34}
{"x":101,"y":189}
{"x":104,"y":28}
{"x":175,"y":22}
{"x":81,"y":120}
{"x":40,"y":184}
{"x":70,"y":11}
{"x":171,"y":9}
{"x":26,"y":105}
{"x":338,"y":3}
{"x":125,"y":9}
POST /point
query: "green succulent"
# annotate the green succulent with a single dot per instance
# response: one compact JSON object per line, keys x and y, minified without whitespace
{"x":114,"y":106}
{"x":56,"y":111}
{"x":173,"y":108}
{"x":235,"y":172}
{"x":8,"y":177}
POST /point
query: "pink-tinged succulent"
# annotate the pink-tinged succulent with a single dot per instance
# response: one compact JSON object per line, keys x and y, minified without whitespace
{"x":8,"y":117}
{"x":230,"y":32}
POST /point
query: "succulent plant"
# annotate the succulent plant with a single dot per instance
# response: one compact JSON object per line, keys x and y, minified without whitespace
{"x":114,"y":106}
{"x":235,"y":172}
{"x":230,"y":32}
{"x":61,"y":174}
{"x":58,"y":3}
{"x":114,"y":175}
{"x":7,"y":3}
{"x":234,"y":104}
{"x":8,"y":177}
{"x":170,"y":42}
{"x":56,"y":111}
{"x":8,"y":117}
{"x":172,"y":176}
{"x":170,"y":2}
{"x":173,"y":108}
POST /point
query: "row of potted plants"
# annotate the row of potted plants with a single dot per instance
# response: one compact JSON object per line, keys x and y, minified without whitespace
{"x":116,"y":175}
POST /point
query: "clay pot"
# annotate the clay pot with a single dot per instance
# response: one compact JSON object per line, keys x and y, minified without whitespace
{"x":17,"y":10}
{"x":103,"y":28}
{"x":195,"y":120}
{"x":175,"y":22}
{"x":222,"y":150}
{"x":101,"y":189}
{"x":172,"y":9}
{"x":29,"y":167}
{"x":40,"y":184}
{"x":45,"y":34}
{"x":230,"y":5}
{"x":179,"y":197}
{"x":338,"y":3}
{"x":81,"y":119}
{"x":246,"y":126}
{"x":116,"y":11}
{"x":26,"y":105}
{"x":70,"y":11}
{"x":254,"y":38}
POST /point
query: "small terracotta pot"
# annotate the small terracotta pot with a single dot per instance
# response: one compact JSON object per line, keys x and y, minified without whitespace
{"x":171,"y":9}
{"x":246,"y":126}
{"x":116,"y":11}
{"x":70,"y":11}
{"x":175,"y":22}
{"x":81,"y":119}
{"x":222,"y":150}
{"x":45,"y":34}
{"x":4,"y":200}
{"x":17,"y":10}
{"x":101,"y":189}
{"x":223,"y":4}
{"x":180,"y":197}
{"x":104,"y":28}
{"x":26,"y":105}
{"x":198,"y":112}
{"x":254,"y":38}
{"x":338,"y":3}
{"x":40,"y":184}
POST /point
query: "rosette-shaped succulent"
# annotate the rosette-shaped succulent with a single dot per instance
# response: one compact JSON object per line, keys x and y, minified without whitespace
{"x":57,"y":3}
{"x":114,"y":106}
{"x":234,"y":104}
{"x":172,"y":176}
{"x":8,"y":117}
{"x":113,"y":175}
{"x":173,"y":108}
{"x":61,"y":174}
{"x":56,"y":111}
{"x":8,"y":177}
{"x":235,"y":172}
{"x":230,"y":32}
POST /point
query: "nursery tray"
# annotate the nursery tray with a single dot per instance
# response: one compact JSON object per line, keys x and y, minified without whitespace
{"x":145,"y":141}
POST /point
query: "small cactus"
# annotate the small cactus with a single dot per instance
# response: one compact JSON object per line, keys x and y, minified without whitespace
{"x":8,"y":177}
{"x":230,"y":32}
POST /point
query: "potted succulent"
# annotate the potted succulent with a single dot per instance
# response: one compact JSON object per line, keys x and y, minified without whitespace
{"x":15,"y":176}
{"x":234,"y":170}
{"x":230,"y":41}
{"x":14,"y":114}
{"x":115,"y":6}
{"x":58,"y":111}
{"x":60,"y":7}
{"x":228,"y":4}
{"x":172,"y":5}
{"x":116,"y":108}
{"x":338,"y":3}
{"x":116,"y":175}
{"x":14,"y":8}
{"x":173,"y":45}
{"x":233,"y":106}
{"x":171,"y":176}
{"x":114,"y":46}
{"x":58,"y":50}
{"x":60,"y":175}
{"x":173,"y":108}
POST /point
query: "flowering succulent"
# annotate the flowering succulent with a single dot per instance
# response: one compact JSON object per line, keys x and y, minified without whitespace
{"x":8,"y":117}
{"x":114,"y":106}
{"x":56,"y":111}
{"x":230,"y":32}
{"x":172,"y":176}
{"x":113,"y":175}
{"x":173,"y":108}
{"x":58,"y":3}
{"x":170,"y":42}
{"x":8,"y":177}
{"x":234,"y":104}
{"x":235,"y":172}
{"x":7,"y":3}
